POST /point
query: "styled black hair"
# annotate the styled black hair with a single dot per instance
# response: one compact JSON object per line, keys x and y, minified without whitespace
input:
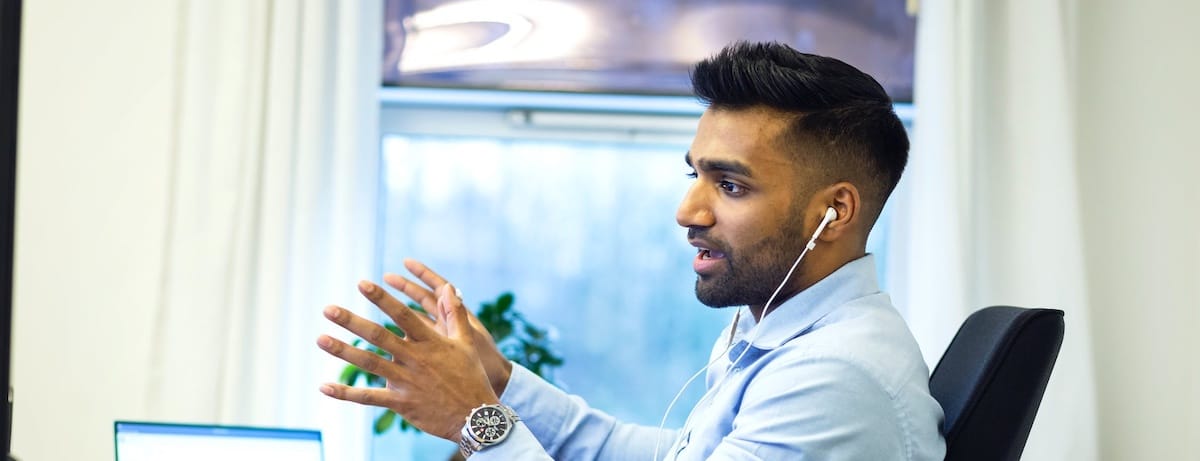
{"x":843,"y":126}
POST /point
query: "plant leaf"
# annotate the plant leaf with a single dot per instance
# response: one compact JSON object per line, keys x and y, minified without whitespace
{"x":384,"y":421}
{"x":505,"y":302}
{"x":394,"y":329}
{"x":534,"y":332}
{"x":350,"y":374}
{"x":407,"y":426}
{"x":500,"y":330}
{"x":489,"y":315}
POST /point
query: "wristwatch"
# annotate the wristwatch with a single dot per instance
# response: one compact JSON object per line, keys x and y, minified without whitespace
{"x":486,"y":426}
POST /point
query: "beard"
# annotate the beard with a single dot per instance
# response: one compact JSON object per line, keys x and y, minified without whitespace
{"x":752,"y":274}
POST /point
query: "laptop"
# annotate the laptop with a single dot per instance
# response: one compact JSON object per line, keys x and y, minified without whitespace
{"x":146,"y":441}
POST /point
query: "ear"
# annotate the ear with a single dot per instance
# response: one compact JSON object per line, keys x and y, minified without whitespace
{"x":844,"y":198}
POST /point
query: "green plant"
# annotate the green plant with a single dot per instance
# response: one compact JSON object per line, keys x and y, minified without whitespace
{"x":520,"y":341}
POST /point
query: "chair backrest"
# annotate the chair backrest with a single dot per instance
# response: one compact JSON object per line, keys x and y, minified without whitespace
{"x":991,"y":379}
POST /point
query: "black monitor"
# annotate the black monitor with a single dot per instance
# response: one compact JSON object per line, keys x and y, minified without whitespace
{"x":10,"y":47}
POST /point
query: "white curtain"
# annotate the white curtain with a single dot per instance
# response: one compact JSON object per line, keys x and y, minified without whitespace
{"x":274,"y":174}
{"x":991,"y":189}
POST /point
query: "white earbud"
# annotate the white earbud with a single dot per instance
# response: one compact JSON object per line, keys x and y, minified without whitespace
{"x":830,"y":215}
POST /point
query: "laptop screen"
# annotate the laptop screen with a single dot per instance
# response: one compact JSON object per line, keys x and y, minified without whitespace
{"x":139,"y":441}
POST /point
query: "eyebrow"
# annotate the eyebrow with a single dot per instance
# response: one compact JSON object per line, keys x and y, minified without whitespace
{"x":728,"y":166}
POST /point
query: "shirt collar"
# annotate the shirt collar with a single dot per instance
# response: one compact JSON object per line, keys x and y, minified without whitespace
{"x":797,"y":315}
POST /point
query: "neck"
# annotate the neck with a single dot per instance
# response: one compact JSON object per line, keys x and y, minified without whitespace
{"x":760,"y":310}
{"x":806,"y":276}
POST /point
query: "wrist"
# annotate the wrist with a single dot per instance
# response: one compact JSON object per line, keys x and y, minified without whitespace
{"x":499,"y":382}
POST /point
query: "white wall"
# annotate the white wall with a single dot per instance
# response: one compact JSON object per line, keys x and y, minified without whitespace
{"x":94,"y":125}
{"x":1138,"y":98}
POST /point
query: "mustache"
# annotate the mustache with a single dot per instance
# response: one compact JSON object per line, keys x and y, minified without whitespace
{"x":715,"y":243}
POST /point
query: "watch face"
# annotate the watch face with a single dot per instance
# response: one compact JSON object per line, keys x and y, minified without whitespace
{"x":489,"y":425}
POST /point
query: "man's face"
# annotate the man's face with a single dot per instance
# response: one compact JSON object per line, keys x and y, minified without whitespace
{"x":742,"y":211}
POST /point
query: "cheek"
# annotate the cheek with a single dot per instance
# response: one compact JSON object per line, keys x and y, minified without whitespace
{"x":752,"y":224}
{"x":745,"y":237}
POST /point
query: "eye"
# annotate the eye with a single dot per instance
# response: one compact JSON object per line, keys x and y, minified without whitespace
{"x":731,"y":188}
{"x":692,"y":174}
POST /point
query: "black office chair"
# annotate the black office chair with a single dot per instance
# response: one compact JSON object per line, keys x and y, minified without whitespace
{"x":991,"y":379}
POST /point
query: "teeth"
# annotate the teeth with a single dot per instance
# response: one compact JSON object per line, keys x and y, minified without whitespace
{"x":710,"y":254}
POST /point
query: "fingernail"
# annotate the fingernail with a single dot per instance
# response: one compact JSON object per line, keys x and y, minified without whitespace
{"x":331,"y":312}
{"x":324,"y":341}
{"x":366,"y":287}
{"x":327,"y":389}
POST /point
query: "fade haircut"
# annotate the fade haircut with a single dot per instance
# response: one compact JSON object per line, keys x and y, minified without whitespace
{"x":842,"y":127}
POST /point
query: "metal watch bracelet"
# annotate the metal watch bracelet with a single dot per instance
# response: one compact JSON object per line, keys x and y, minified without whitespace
{"x":469,"y":444}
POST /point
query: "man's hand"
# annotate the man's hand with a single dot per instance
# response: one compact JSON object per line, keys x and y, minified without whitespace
{"x":498,"y":368}
{"x":434,"y":377}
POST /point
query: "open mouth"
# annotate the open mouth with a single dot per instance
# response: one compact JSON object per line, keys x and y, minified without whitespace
{"x":708,"y":261}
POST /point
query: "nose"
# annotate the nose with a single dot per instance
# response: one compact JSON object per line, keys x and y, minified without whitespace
{"x":695,"y":210}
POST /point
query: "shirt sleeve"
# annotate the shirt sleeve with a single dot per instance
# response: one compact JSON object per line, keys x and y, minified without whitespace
{"x":562,"y":427}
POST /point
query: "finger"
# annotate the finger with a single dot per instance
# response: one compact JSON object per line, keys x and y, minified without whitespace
{"x":368,"y":361}
{"x":415,"y":292}
{"x":454,"y":314}
{"x":478,"y":325}
{"x":409,"y":321}
{"x":376,"y":397}
{"x":427,"y":276}
{"x":367,"y":330}
{"x":440,"y":316}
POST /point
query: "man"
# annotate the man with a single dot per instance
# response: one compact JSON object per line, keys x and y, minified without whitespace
{"x":793,"y":161}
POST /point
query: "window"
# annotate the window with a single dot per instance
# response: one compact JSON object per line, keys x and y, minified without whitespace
{"x":572,"y":213}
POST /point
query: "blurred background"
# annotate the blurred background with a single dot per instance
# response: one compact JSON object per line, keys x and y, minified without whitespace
{"x":198,"y":179}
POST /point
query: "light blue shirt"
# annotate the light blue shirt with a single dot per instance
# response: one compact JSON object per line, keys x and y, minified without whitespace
{"x":831,"y":374}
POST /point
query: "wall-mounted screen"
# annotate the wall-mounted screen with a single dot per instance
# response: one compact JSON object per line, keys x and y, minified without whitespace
{"x":629,"y":46}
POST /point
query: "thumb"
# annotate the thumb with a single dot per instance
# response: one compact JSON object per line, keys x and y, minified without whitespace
{"x":454,"y":313}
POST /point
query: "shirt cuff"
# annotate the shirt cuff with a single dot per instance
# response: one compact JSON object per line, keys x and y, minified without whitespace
{"x":542,"y":407}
